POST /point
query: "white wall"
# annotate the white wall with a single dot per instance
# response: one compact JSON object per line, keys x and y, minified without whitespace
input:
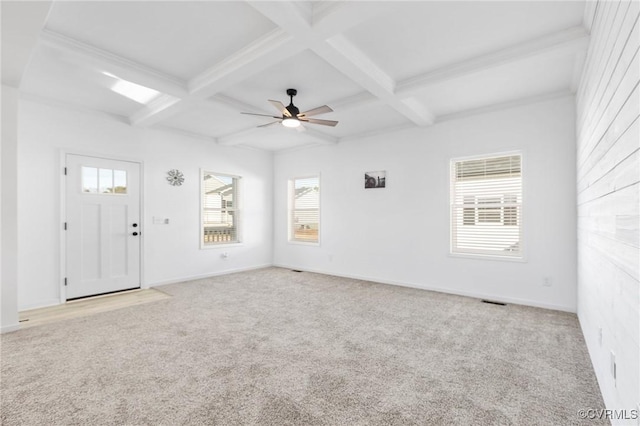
{"x":608,"y":174}
{"x":171,"y":252}
{"x":9,"y":211}
{"x":401,"y":234}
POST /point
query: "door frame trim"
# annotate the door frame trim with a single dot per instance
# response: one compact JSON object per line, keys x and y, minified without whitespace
{"x":63,"y":214}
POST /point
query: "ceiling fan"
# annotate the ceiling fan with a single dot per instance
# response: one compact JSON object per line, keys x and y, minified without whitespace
{"x":291,"y":115}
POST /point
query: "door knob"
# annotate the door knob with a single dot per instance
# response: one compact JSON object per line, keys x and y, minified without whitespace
{"x":134,"y":234}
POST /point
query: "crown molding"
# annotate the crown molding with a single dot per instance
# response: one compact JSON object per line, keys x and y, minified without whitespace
{"x":573,"y":40}
{"x":56,"y":103}
{"x":267,"y":50}
{"x":505,"y":105}
{"x":125,"y":68}
{"x":236,"y":138}
{"x":233,"y":104}
{"x":186,"y":133}
{"x":377,"y":132}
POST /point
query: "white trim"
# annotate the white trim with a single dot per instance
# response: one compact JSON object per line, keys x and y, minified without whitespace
{"x":290,"y":195}
{"x":208,"y":275}
{"x":41,"y":304}
{"x":489,"y":256}
{"x":237,"y":209}
{"x":9,"y":328}
{"x":130,"y":70}
{"x":571,"y":40}
{"x":63,"y":215}
{"x":427,"y":287}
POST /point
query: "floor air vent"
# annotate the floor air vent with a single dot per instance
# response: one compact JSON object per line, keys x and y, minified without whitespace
{"x":493,"y":302}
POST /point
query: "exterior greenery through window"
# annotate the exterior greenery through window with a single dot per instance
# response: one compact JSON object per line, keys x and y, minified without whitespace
{"x":486,"y":206}
{"x":220,"y":212}
{"x":304,"y":209}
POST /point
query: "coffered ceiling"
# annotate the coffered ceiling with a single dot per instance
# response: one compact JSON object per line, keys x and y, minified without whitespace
{"x":380,"y":65}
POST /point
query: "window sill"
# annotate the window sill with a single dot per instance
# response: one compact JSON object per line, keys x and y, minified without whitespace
{"x":304,"y":243}
{"x":488,"y":257}
{"x":220,"y":246}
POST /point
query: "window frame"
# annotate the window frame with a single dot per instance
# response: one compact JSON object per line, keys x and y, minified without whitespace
{"x":454,"y":252}
{"x":237,"y":211}
{"x":290,"y":209}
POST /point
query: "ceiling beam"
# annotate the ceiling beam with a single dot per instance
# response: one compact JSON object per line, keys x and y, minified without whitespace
{"x":339,"y":52}
{"x":572,"y":40}
{"x":267,"y":51}
{"x":125,"y":69}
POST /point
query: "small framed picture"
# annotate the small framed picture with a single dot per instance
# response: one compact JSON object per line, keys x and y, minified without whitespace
{"x":375,"y":179}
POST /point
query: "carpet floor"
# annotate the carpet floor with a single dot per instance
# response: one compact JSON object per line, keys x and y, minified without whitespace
{"x":276,"y":347}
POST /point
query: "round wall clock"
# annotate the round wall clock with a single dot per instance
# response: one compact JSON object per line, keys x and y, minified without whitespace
{"x":175,"y":177}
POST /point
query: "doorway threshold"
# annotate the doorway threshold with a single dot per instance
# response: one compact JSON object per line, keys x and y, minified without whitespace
{"x":89,"y":306}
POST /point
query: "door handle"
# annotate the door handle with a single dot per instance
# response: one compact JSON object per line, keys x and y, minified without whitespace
{"x":135,"y":225}
{"x":135,"y":234}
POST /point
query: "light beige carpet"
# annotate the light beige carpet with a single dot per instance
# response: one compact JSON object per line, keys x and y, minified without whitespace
{"x":276,"y":347}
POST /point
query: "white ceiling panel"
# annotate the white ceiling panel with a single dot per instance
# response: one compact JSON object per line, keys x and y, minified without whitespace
{"x":501,"y":84}
{"x":380,"y":65}
{"x":208,"y":119}
{"x":368,"y":118}
{"x":54,"y":74}
{"x":179,"y":38}
{"x":278,"y":138}
{"x":421,"y":36}
{"x":317,"y":82}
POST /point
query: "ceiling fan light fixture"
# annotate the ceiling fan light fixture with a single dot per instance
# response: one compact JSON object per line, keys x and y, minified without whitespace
{"x":290,"y":122}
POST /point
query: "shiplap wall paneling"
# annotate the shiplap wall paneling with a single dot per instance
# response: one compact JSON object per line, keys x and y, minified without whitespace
{"x":608,"y":176}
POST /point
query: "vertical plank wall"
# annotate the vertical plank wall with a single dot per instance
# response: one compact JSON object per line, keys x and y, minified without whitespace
{"x":608,"y":175}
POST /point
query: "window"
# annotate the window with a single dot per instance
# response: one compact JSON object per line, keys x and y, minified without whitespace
{"x":103,"y":181}
{"x":219,"y":209}
{"x":304,"y":209}
{"x":486,"y":206}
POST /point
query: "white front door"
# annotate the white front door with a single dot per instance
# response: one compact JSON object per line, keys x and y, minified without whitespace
{"x":102,"y":225}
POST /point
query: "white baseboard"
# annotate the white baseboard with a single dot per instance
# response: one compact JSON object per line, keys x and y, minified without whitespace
{"x":207,"y":275}
{"x":41,"y":304}
{"x":497,"y":298}
{"x":9,"y":328}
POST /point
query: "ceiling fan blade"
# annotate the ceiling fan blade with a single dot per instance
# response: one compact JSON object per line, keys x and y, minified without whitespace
{"x":269,"y":124}
{"x":316,"y":111}
{"x":317,"y":121}
{"x":259,"y":115}
{"x":280,"y":107}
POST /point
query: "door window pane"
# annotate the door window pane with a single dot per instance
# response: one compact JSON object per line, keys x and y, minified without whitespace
{"x":89,"y":180}
{"x":119,"y":182}
{"x":106,"y":181}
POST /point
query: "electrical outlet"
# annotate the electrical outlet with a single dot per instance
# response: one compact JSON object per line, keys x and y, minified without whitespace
{"x":546,"y":281}
{"x":613,"y":367}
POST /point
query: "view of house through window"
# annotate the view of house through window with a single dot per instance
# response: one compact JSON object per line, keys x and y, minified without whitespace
{"x":304,"y":209}
{"x":486,"y":206}
{"x":219,"y":209}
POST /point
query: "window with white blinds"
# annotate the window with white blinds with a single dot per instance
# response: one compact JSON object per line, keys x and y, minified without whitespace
{"x":304,"y":209}
{"x":220,"y":212}
{"x":486,"y":206}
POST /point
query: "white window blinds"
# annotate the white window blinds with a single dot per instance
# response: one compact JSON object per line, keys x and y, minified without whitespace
{"x":486,"y":206}
{"x":304,"y":209}
{"x":219,"y":209}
